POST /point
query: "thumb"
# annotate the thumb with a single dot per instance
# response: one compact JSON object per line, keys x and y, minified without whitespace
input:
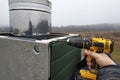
{"x":92,"y":54}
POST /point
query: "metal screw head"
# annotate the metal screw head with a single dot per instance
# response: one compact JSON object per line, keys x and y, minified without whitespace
{"x":36,"y":49}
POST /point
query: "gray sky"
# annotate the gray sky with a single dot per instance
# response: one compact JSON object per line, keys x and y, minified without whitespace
{"x":80,"y":12}
{"x":76,"y":12}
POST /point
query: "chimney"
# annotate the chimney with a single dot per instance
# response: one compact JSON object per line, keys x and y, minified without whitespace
{"x":30,"y":17}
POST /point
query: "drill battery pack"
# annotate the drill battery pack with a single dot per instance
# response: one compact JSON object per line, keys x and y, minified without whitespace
{"x":82,"y":72}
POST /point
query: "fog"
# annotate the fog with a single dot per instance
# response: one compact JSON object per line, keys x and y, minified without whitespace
{"x":75,"y":12}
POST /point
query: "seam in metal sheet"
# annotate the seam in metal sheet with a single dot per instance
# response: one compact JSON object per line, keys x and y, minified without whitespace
{"x":30,"y":9}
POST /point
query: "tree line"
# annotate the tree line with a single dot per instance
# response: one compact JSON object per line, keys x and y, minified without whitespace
{"x":82,"y":28}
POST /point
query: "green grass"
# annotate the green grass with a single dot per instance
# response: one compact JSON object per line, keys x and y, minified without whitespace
{"x":116,"y":55}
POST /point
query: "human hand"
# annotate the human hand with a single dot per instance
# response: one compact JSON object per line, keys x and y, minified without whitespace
{"x":101,"y":59}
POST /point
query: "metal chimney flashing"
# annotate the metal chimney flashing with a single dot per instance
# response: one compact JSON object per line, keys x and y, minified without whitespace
{"x":44,"y":2}
{"x":30,"y":17}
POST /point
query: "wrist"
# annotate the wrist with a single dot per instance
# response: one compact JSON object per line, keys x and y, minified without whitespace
{"x":109,"y":65}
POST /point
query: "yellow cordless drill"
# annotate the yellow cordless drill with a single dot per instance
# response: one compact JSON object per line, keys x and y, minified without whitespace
{"x":97,"y":45}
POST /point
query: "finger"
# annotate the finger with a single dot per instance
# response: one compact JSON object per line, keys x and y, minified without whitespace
{"x":87,"y":53}
{"x":92,"y":54}
{"x":83,"y":54}
{"x":89,"y":58}
{"x":89,"y":64}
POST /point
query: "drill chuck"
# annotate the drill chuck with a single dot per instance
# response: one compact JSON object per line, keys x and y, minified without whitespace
{"x":80,"y":42}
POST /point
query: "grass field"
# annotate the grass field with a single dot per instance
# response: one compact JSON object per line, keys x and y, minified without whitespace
{"x":115,"y":36}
